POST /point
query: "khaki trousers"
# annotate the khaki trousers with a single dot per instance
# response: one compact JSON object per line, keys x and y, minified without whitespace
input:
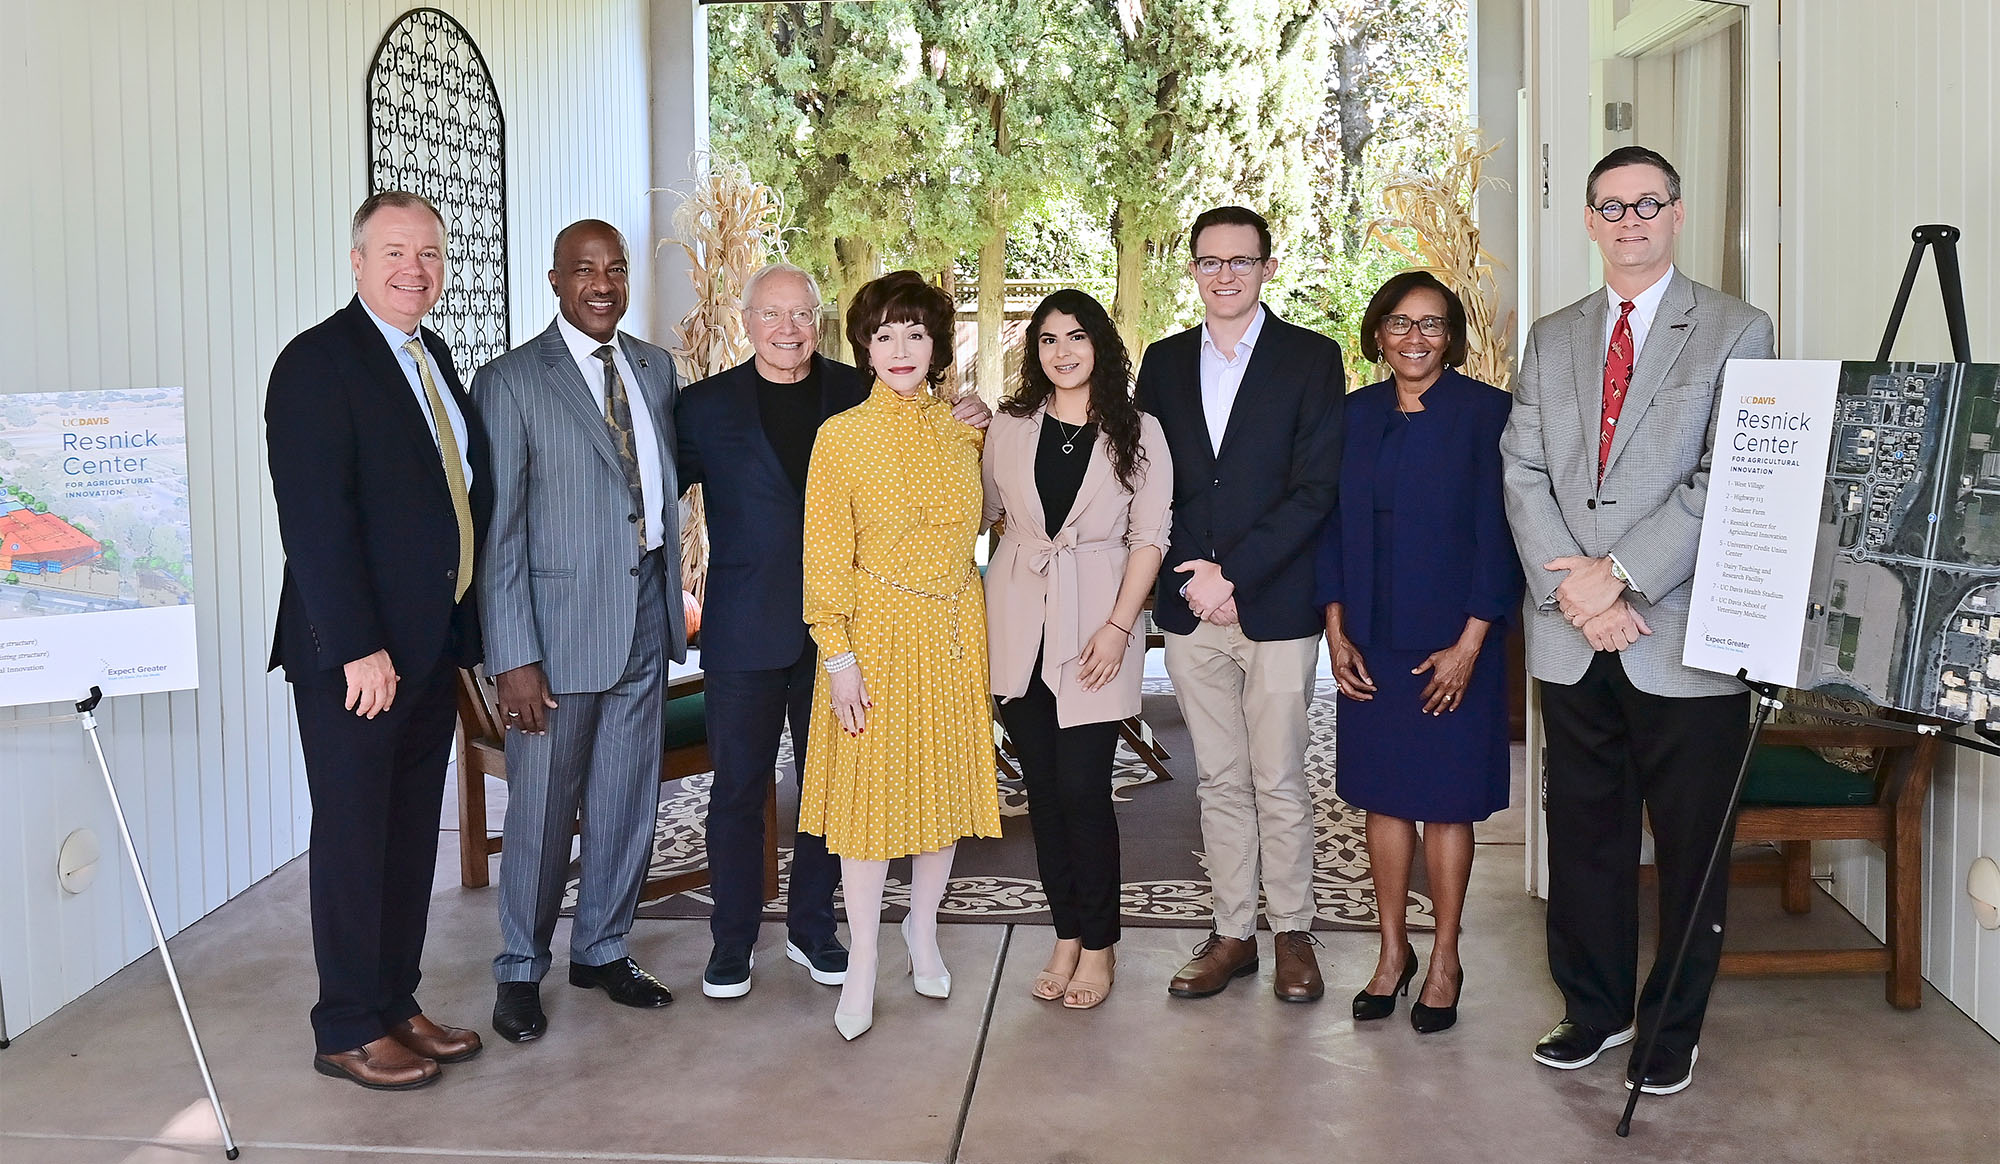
{"x":1245,"y":706}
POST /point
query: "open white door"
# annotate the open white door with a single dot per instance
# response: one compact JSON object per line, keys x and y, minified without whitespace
{"x":1696,"y":80}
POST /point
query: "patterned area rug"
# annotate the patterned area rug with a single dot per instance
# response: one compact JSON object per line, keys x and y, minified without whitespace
{"x":1165,"y":868}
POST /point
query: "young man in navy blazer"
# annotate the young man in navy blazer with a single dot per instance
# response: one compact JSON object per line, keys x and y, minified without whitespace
{"x":1251,"y":408}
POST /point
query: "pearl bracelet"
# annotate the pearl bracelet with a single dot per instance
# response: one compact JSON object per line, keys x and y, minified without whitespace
{"x":835,"y":664}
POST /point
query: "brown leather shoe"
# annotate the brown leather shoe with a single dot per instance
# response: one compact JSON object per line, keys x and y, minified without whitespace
{"x":1216,"y":961}
{"x":1297,"y":978}
{"x":444,"y":1044}
{"x":383,"y":1065}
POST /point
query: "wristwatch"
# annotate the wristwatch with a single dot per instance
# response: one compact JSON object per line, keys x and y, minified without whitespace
{"x":1618,"y":571}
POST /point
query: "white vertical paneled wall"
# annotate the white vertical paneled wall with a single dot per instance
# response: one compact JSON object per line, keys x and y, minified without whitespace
{"x":1888,"y":123}
{"x":176,"y":188}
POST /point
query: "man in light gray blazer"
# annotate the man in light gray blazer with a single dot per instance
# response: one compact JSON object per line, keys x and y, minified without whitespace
{"x":1607,"y":455}
{"x":579,"y":591}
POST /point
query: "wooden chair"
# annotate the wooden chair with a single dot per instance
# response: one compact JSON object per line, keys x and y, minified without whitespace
{"x":1794,"y":798}
{"x":482,"y":753}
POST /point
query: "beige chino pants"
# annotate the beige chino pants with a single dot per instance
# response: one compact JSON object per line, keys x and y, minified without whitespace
{"x":1245,"y":706}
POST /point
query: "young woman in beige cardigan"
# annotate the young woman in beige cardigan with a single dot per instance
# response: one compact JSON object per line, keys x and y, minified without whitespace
{"x":1080,"y":483}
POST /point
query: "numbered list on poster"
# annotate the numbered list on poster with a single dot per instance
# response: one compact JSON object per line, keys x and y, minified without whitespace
{"x":1760,"y":528}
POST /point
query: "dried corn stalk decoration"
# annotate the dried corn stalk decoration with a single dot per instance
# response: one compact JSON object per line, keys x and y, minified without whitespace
{"x":730,"y":227}
{"x":1437,"y":209}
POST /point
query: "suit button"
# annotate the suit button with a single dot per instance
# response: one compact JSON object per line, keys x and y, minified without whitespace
{"x":451,"y":575}
{"x":631,"y":517}
{"x":1217,"y":482}
{"x":635,"y":571}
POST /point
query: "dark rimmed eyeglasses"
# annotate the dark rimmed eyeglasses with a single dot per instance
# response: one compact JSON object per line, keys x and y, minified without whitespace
{"x":1240,"y":265}
{"x":1430,"y":325}
{"x":1611,"y":210}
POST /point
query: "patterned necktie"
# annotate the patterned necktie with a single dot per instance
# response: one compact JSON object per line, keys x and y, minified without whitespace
{"x":454,"y":468}
{"x":1617,"y":383}
{"x":618,"y":417}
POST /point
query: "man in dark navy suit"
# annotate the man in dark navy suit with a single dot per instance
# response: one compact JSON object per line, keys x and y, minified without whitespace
{"x":1251,"y":408}
{"x":378,"y":469}
{"x":746,"y":436}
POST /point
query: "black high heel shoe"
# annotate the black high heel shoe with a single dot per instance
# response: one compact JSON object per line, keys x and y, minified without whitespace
{"x":1368,"y":1007}
{"x":1429,"y":1020}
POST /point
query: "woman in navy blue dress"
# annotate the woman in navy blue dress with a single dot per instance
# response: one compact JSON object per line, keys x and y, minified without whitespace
{"x":1417,"y":572}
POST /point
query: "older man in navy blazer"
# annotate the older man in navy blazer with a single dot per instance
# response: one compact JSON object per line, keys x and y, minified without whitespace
{"x":1251,"y":408}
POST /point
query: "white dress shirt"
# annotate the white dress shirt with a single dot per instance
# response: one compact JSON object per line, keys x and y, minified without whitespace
{"x":583,"y":349}
{"x":408,"y":363}
{"x":1645,"y":306}
{"x":1222,"y":375}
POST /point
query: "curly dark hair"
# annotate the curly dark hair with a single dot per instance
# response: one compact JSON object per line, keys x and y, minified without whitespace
{"x":1111,"y":404}
{"x":903,"y":297}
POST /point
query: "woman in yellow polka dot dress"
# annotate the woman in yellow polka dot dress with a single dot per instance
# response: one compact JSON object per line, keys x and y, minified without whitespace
{"x":900,"y":758}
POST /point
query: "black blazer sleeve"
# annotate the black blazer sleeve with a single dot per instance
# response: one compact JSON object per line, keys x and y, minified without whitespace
{"x":310,"y":429}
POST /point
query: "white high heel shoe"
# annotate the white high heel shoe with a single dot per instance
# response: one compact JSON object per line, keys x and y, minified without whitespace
{"x":939,"y":987}
{"x":853,"y":1026}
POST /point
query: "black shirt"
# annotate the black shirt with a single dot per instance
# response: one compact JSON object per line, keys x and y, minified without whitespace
{"x":1059,"y":474}
{"x":791,"y":419}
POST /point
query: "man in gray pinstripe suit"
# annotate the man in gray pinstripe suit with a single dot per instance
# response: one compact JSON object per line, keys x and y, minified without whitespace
{"x":579,"y":591}
{"x":1607,"y":454}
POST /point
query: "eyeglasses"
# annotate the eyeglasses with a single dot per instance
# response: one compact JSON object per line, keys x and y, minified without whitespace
{"x":1240,"y":265}
{"x":1429,"y":325}
{"x":770,"y":316}
{"x":1648,"y":208}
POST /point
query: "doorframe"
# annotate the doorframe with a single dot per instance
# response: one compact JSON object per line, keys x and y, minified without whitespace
{"x":1558,"y":264}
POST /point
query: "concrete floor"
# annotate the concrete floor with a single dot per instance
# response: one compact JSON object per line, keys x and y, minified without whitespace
{"x":1817,"y":1069}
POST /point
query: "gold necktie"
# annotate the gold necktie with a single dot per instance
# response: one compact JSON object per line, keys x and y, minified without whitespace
{"x":618,"y":418}
{"x":454,"y":470}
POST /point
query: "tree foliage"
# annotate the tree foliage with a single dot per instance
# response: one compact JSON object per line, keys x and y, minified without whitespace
{"x":1077,"y":138}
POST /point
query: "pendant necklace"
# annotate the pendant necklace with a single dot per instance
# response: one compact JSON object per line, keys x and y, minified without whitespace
{"x":1069,"y":438}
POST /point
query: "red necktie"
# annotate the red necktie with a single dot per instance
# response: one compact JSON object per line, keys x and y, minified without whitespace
{"x":1617,"y":380}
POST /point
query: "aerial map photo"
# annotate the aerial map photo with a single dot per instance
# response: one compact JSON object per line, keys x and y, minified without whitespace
{"x":1906,"y":581}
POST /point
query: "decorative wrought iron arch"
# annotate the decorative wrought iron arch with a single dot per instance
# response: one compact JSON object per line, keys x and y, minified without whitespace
{"x":435,"y":128}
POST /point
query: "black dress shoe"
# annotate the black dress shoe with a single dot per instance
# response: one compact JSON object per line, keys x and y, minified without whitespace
{"x":1670,"y":1071}
{"x":517,"y":1012}
{"x":624,"y":982}
{"x":1429,"y":1020}
{"x":825,"y":960}
{"x":1572,"y":1044}
{"x":728,"y":973}
{"x":1369,"y":1007}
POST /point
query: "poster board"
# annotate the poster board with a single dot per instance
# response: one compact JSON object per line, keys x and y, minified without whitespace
{"x":96,"y":557}
{"x":1881,"y":561}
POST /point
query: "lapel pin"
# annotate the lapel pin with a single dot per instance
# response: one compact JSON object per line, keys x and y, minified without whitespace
{"x":1677,"y":327}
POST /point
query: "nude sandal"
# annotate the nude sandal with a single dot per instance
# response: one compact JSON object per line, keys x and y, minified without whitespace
{"x":1050,"y":986}
{"x":1102,"y":990}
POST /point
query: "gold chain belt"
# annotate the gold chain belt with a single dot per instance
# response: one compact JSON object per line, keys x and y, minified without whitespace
{"x":957,"y":651}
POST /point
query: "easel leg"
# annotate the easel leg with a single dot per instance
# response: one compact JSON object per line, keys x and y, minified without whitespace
{"x":85,"y":712}
{"x":1767,"y":702}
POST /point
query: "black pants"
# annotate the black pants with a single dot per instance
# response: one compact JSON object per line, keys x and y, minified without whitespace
{"x":1067,"y":771}
{"x":377,"y":787}
{"x":746,"y":711}
{"x":1615,"y":751}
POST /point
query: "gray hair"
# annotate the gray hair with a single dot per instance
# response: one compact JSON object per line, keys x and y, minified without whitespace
{"x":402,"y":200}
{"x":751,"y":284}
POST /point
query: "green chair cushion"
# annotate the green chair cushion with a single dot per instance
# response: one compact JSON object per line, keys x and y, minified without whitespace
{"x":687,"y":720}
{"x":1794,"y":777}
